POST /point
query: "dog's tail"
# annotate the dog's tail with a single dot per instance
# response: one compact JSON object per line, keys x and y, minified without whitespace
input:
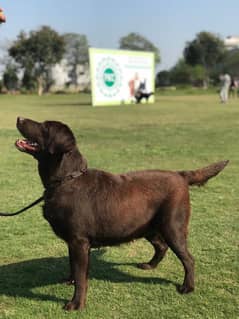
{"x":200,"y":176}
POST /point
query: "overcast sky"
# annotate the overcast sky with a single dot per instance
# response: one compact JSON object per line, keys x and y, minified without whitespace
{"x":169,"y":24}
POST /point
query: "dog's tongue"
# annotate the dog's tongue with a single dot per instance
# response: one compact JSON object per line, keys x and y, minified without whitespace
{"x":24,"y":144}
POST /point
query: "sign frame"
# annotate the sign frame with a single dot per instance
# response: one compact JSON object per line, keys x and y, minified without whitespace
{"x":108,"y":75}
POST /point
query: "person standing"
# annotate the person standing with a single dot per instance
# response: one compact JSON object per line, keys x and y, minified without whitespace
{"x":226,"y":82}
{"x":133,"y":86}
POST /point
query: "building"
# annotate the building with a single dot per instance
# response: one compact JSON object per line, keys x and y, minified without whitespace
{"x":62,"y":81}
{"x":232,"y":42}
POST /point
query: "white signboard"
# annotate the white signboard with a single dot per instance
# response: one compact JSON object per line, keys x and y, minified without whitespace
{"x":117,"y":76}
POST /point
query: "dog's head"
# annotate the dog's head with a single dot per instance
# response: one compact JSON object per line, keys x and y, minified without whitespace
{"x":50,"y":137}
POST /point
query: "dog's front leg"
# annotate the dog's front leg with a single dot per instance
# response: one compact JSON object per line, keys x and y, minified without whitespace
{"x":80,"y":250}
{"x":70,"y":279}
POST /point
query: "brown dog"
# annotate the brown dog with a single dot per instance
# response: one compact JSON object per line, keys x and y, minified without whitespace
{"x":92,"y":208}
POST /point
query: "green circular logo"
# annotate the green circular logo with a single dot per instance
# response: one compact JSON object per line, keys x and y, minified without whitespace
{"x":109,"y":77}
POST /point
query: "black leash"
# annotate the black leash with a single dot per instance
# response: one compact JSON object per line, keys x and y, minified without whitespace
{"x":40,"y":199}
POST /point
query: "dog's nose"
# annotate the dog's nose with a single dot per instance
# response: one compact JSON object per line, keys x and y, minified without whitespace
{"x":20,"y":119}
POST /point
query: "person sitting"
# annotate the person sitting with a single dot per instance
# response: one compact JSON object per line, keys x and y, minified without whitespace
{"x":141,"y":93}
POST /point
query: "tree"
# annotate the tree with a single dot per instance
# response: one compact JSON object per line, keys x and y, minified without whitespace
{"x":198,"y":75}
{"x":136,"y":42}
{"x":10,"y":78}
{"x":206,"y":49}
{"x":231,"y":63}
{"x":76,"y":53}
{"x":28,"y":80}
{"x":38,"y":52}
{"x":181,"y":73}
{"x":163,"y":78}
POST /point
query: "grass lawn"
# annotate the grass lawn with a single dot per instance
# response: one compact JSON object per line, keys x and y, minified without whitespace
{"x":183,"y":132}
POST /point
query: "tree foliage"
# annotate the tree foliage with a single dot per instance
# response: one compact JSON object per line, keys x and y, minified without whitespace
{"x":206,"y":49}
{"x":198,"y":75}
{"x":10,"y":78}
{"x":37,"y":52}
{"x":231,"y":63}
{"x":163,"y":78}
{"x":136,"y":42}
{"x":29,"y":80}
{"x":183,"y":73}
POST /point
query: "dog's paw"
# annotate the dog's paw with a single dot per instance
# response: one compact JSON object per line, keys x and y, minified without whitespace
{"x":70,"y":306}
{"x":184,"y":289}
{"x":68,"y":281}
{"x":145,"y":266}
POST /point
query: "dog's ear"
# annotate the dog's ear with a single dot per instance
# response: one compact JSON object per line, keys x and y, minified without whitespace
{"x":59,"y":138}
{"x":60,"y":145}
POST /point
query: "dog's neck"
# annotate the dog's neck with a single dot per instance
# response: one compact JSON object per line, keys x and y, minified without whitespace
{"x":58,"y":166}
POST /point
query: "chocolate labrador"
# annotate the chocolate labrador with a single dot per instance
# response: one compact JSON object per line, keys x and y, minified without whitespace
{"x":90,"y":208}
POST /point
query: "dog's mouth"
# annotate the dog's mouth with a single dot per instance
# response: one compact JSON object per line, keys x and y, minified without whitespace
{"x":25,"y":145}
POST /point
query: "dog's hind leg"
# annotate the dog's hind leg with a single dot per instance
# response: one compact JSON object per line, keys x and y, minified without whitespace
{"x":176,"y":239}
{"x":160,"y":248}
{"x":187,"y":260}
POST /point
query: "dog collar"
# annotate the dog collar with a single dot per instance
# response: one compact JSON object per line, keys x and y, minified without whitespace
{"x":57,"y":181}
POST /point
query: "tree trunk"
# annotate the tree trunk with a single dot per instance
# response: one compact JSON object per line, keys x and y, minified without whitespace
{"x":205,"y":84}
{"x":40,"y":85}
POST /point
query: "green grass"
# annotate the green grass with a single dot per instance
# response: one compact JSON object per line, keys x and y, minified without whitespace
{"x":183,"y":132}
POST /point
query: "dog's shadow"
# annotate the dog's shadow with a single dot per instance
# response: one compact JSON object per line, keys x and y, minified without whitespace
{"x":20,"y":279}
